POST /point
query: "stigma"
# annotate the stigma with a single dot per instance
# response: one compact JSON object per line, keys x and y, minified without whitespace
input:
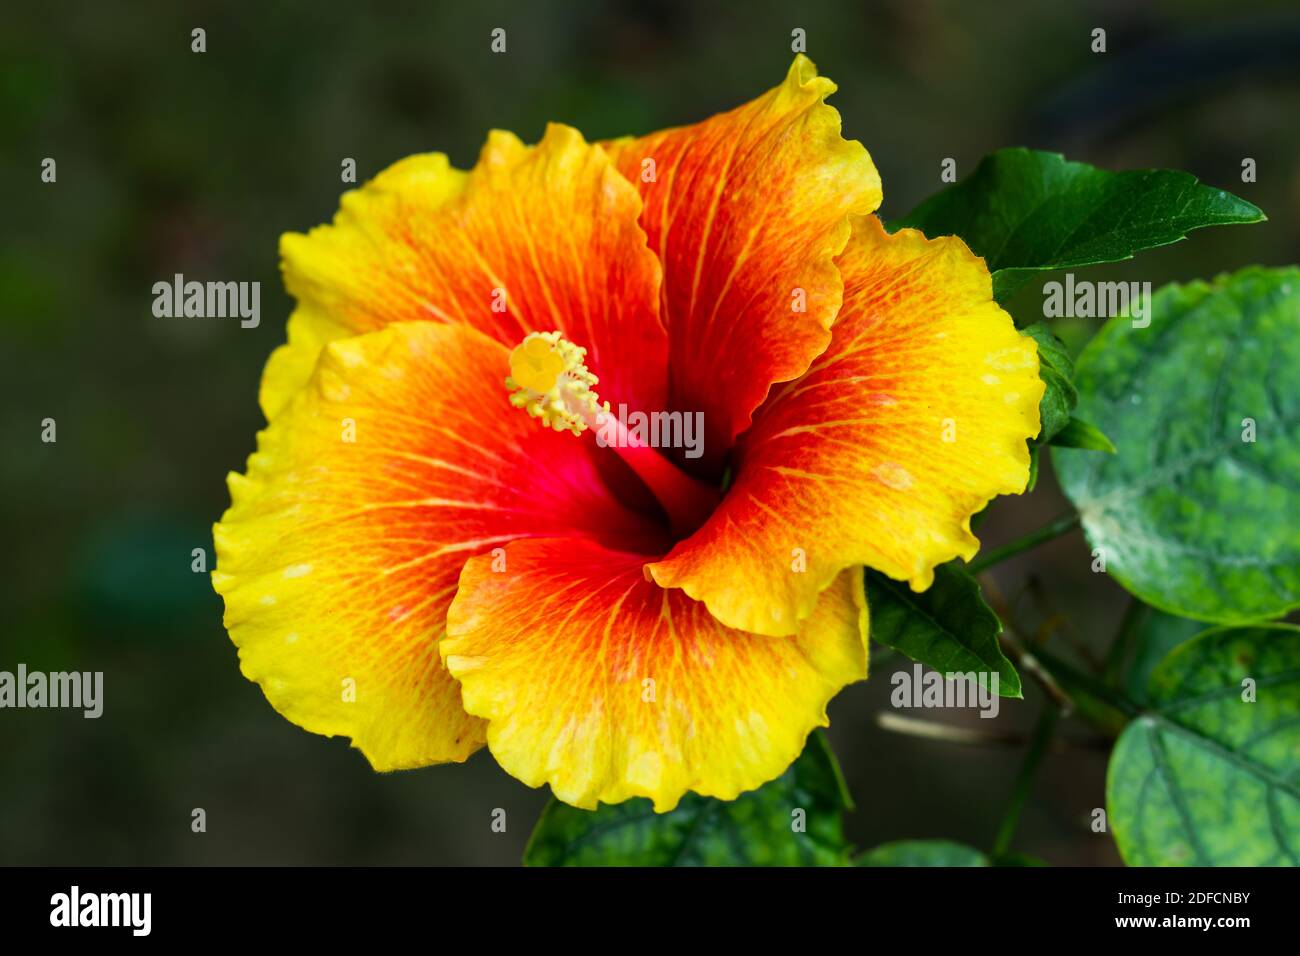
{"x":549,"y":380}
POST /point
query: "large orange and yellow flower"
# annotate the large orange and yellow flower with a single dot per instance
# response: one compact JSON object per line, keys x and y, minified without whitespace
{"x":415,"y":562}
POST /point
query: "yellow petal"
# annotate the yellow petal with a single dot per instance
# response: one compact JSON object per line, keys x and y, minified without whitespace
{"x":916,"y":415}
{"x":343,"y":543}
{"x":534,"y":239}
{"x":605,"y":686}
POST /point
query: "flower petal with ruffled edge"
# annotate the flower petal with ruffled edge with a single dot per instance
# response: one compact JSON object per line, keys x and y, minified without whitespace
{"x":746,"y":211}
{"x":914,"y":418}
{"x":606,"y":686}
{"x":533,"y":239}
{"x":342,"y":547}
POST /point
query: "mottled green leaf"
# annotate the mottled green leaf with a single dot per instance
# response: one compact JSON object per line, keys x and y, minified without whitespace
{"x":948,"y":627}
{"x":922,"y":853}
{"x":796,"y":820}
{"x":1027,"y":211}
{"x":1192,"y":515}
{"x":1208,"y":778}
{"x":1080,"y":434}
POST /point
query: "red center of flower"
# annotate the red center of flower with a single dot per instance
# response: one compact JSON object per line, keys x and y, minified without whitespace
{"x":549,"y":380}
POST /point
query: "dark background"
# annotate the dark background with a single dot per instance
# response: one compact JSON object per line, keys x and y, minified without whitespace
{"x":170,"y":161}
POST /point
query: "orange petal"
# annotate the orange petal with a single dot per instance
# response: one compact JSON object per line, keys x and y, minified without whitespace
{"x":914,"y":418}
{"x":605,"y":686}
{"x":343,"y":544}
{"x":746,"y":211}
{"x":534,"y":239}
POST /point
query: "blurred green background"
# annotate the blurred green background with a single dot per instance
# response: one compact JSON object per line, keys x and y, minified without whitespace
{"x":170,"y":161}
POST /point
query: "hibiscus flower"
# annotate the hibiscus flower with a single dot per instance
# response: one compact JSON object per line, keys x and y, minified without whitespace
{"x":415,"y":562}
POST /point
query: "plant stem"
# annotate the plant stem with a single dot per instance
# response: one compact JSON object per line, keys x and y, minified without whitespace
{"x":1120,"y":646}
{"x":1060,"y":526}
{"x":1104,"y":706}
{"x":1057,"y":623}
{"x":1038,"y":748}
{"x":948,"y":733}
{"x":1078,"y":683}
{"x":1027,"y":662}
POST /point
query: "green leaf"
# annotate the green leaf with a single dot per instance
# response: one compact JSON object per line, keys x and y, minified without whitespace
{"x":948,"y":628}
{"x":1034,"y":449}
{"x":1056,"y":369}
{"x":1057,"y":372}
{"x":1190,"y":517}
{"x":758,"y":828}
{"x":1027,"y":211}
{"x":1079,"y":434}
{"x":922,"y":853}
{"x":1209,"y":778}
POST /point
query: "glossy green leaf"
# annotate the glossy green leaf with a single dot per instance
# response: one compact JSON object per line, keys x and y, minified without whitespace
{"x":948,"y":627}
{"x":1210,"y":777}
{"x":1034,"y":450}
{"x":922,"y":853}
{"x":1056,"y":369}
{"x":1080,"y":434}
{"x":1057,"y":372}
{"x":1199,"y":511}
{"x":1027,"y":211}
{"x":796,"y":820}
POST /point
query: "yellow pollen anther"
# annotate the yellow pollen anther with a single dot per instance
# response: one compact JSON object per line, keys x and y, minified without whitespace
{"x":549,"y":381}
